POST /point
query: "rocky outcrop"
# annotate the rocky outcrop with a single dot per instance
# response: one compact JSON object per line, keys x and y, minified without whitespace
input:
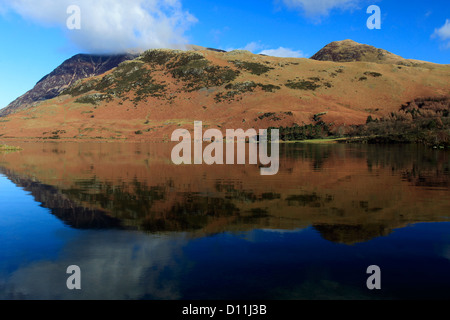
{"x":351,"y":51}
{"x":78,"y":67}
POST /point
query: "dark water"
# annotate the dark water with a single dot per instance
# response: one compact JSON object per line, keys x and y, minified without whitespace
{"x":142,"y":228}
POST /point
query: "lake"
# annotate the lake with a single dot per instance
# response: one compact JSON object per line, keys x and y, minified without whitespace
{"x":140,"y":227}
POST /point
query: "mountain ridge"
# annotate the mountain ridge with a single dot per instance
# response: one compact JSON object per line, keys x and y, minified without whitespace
{"x":163,"y":89}
{"x":65,"y":75}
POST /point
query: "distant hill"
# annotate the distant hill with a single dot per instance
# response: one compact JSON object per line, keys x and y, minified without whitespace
{"x":351,"y":51}
{"x":148,"y":97}
{"x":78,"y":67}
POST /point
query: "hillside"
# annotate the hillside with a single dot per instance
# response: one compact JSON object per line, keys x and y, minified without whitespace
{"x":162,"y":90}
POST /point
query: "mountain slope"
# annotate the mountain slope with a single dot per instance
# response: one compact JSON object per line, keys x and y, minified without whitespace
{"x":162,"y":90}
{"x":78,"y":67}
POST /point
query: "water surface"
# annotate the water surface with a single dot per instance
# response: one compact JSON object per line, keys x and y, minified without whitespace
{"x":140,"y":227}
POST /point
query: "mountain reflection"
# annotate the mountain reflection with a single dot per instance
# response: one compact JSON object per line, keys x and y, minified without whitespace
{"x":69,"y":211}
{"x":348,"y":193}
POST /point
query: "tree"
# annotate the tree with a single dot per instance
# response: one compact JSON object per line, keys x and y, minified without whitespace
{"x":369,"y":120}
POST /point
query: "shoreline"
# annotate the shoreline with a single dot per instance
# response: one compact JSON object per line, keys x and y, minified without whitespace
{"x":347,"y":140}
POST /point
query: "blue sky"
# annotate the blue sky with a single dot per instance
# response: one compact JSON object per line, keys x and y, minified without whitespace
{"x":35,"y":38}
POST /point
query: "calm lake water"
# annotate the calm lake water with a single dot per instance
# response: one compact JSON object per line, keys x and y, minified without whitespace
{"x":140,"y":227}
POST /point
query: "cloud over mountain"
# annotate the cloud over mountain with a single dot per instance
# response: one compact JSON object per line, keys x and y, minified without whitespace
{"x":112,"y":26}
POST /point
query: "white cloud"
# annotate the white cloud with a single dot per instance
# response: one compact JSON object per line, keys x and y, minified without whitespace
{"x":444,"y":33}
{"x":283,"y":53}
{"x":115,"y":265}
{"x":253,"y":46}
{"x":319,"y":7}
{"x":258,"y":48}
{"x":113,"y":25}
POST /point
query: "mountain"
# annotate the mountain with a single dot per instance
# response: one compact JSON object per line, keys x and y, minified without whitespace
{"x":78,"y":67}
{"x":351,"y":51}
{"x":147,"y":98}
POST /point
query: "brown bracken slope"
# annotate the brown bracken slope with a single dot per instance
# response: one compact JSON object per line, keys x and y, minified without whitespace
{"x":162,"y":90}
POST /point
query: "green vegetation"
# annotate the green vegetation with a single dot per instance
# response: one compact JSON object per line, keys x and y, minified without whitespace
{"x":80,"y":87}
{"x":319,"y":130}
{"x":192,"y":68}
{"x":149,"y":90}
{"x":302,"y":85}
{"x":4,"y":147}
{"x":128,"y":76}
{"x":273,"y":116}
{"x":105,"y":83}
{"x":252,"y":67}
{"x":226,"y":96}
{"x":323,"y":141}
{"x":422,"y":121}
{"x":270,"y":196}
{"x":373,"y":74}
{"x":425,"y":121}
{"x":158,"y":57}
{"x":268,"y":115}
{"x":268,"y":87}
{"x":55,"y":135}
{"x":239,"y":88}
{"x":198,"y":72}
{"x":335,"y":73}
{"x":369,"y":120}
{"x":92,"y":98}
{"x":318,"y":117}
{"x":185,"y":58}
{"x":312,"y":84}
{"x":133,"y":75}
{"x":306,"y":132}
{"x":242,"y":86}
